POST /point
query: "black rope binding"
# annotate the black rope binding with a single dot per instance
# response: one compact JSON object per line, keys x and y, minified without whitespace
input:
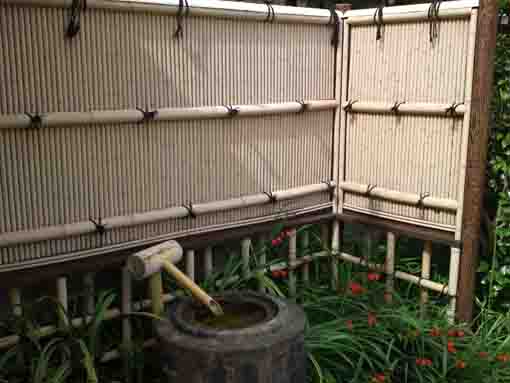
{"x":350,"y":103}
{"x":74,"y":19}
{"x":271,"y":196}
{"x":370,"y":187}
{"x":335,"y":21}
{"x":35,"y":121}
{"x":270,"y":11}
{"x":181,"y":13}
{"x":433,"y":16}
{"x":148,"y":115}
{"x":396,"y":105}
{"x":303,"y":104}
{"x":100,"y":227}
{"x":378,"y":19}
{"x":422,"y":197}
{"x":189,"y":208}
{"x":451,"y":110}
{"x":232,"y":112}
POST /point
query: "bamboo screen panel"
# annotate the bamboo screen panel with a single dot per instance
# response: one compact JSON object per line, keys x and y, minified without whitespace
{"x":123,"y":60}
{"x":403,"y":143}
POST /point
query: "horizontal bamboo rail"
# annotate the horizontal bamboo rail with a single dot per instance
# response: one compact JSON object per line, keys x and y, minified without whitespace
{"x":402,"y":197}
{"x":80,"y":228}
{"x":212,"y":8}
{"x":421,"y":282}
{"x":400,"y":107}
{"x":73,"y":119}
{"x":408,"y":13}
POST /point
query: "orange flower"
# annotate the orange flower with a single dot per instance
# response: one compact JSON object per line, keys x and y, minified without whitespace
{"x":483,"y":354}
{"x":284,"y":273}
{"x":372,"y":319}
{"x":460,"y":364}
{"x":356,"y":288}
{"x":374,"y":277}
{"x":451,"y":347}
{"x":276,"y":274}
{"x":348,"y":324}
{"x":435,"y":332}
{"x":503,"y":358}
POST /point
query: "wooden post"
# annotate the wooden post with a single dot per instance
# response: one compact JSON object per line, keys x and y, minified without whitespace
{"x":208,"y":261}
{"x":292,"y":260}
{"x":477,"y":155}
{"x":15,"y":301}
{"x":62,"y":299}
{"x":190,"y":264}
{"x":245,"y":253}
{"x":305,"y":243}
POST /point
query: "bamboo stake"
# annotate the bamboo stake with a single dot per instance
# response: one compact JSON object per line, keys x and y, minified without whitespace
{"x":245,"y":253}
{"x":305,"y":243}
{"x":325,"y":230}
{"x":453,"y":280}
{"x":15,"y":301}
{"x":292,"y":260}
{"x":126,"y":309}
{"x":89,"y":287}
{"x":62,"y":299}
{"x":156,"y":293}
{"x":190,"y":264}
{"x":208,"y":261}
{"x":262,"y":262}
{"x":335,"y":250}
{"x":389,"y":266}
{"x":425,"y":273}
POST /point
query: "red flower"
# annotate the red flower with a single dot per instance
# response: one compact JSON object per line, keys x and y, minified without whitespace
{"x":356,"y":288}
{"x":460,"y":333}
{"x":276,"y":274}
{"x":483,"y":354}
{"x":435,"y":332}
{"x":348,"y":324}
{"x":372,"y":319}
{"x":380,"y":377}
{"x":503,"y":358}
{"x":284,"y":273}
{"x":451,"y":347}
{"x":423,"y":362}
{"x":374,"y":277}
{"x":460,"y":364}
{"x":276,"y":241}
{"x":452,"y":333}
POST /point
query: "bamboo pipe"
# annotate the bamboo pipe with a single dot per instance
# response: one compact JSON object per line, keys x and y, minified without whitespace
{"x":305,"y":243}
{"x":86,"y":227}
{"x":15,"y":301}
{"x":453,"y":280}
{"x":398,"y":196}
{"x":407,"y":108}
{"x":292,"y":259}
{"x":73,"y":119}
{"x":210,"y":8}
{"x":425,"y":272}
{"x":389,"y":266}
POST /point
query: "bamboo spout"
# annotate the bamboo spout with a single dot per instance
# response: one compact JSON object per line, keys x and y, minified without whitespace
{"x":150,"y":262}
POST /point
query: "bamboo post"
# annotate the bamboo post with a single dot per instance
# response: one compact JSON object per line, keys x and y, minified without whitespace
{"x":389,"y":266}
{"x":190,"y":264}
{"x":453,"y":280}
{"x":292,"y":260}
{"x":62,"y":299}
{"x":15,"y":301}
{"x":126,"y":322}
{"x":335,"y":250}
{"x":89,"y":288}
{"x":305,"y":243}
{"x":480,"y":99}
{"x":425,"y":273}
{"x":262,"y":262}
{"x":156,"y":293}
{"x":326,"y":245}
{"x":208,"y":261}
{"x":245,"y":253}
